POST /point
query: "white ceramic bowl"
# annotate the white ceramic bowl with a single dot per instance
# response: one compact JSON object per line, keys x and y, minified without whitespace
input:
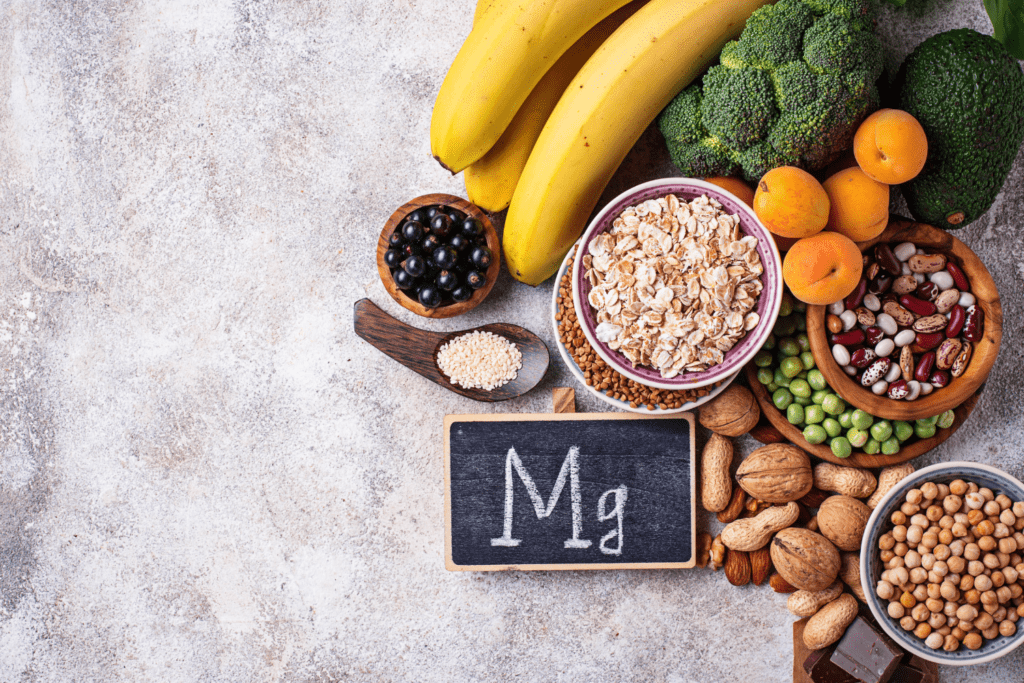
{"x":871,"y":564}
{"x":614,"y":402}
{"x":767,"y":305}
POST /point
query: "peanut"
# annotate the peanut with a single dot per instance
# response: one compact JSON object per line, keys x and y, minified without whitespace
{"x":848,"y":481}
{"x":751,"y":534}
{"x":806,"y":603}
{"x":716,"y":485}
{"x":830,"y":622}
{"x":889,"y":477}
{"x":849,"y":572}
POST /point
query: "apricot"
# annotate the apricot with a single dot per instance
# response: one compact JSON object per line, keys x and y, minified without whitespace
{"x":823,"y":268}
{"x":791,"y":203}
{"x":890,"y":146}
{"x":858,"y":205}
{"x":736,"y":186}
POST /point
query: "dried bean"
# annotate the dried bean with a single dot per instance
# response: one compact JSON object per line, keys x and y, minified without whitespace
{"x":959,"y":277}
{"x":887,"y":322}
{"x":905,"y":338}
{"x":893,"y":374}
{"x":899,"y":389}
{"x":866,"y":317}
{"x":931,"y":324}
{"x":904,"y":284}
{"x":918,"y":306}
{"x":913,"y":390}
{"x":947,"y":354}
{"x":924,"y":367}
{"x":885,"y":347}
{"x":967,"y":299}
{"x":960,"y":364}
{"x":841,"y":355}
{"x":939,"y":379}
{"x":881,"y":283}
{"x":872,"y":303}
{"x":849,"y":319}
{"x":974,"y":323}
{"x":905,"y":250}
{"x":857,"y":295}
{"x":927,"y":291}
{"x":833,"y":323}
{"x":957,"y":316}
{"x":942,"y":280}
{"x":901,"y":315}
{"x":927,"y":263}
{"x":875,"y":372}
{"x":907,"y":363}
{"x":887,"y":259}
{"x":929,"y":340}
{"x":945,"y":302}
{"x":873,"y":335}
{"x":861,"y":358}
{"x":851,"y":338}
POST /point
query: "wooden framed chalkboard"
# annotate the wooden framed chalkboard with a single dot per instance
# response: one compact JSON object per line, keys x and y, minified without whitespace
{"x":569,"y":491}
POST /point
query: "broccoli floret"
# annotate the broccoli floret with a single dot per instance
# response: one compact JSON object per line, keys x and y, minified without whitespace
{"x":790,"y":92}
{"x":738,"y":106}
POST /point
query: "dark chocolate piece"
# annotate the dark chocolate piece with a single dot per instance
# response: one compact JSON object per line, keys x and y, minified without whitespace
{"x":908,"y":674}
{"x":820,"y":668}
{"x":866,"y":653}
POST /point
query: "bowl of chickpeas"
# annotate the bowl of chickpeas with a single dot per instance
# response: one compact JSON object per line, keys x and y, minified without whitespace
{"x":942,"y":563}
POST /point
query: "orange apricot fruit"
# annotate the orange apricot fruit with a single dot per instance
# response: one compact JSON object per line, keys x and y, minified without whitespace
{"x":858,"y":205}
{"x":890,"y":146}
{"x":823,"y":268}
{"x":791,"y":203}
{"x":734,"y":185}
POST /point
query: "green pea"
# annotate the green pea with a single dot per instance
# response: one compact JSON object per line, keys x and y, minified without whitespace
{"x":807,"y":358}
{"x":784,"y":327}
{"x":857,"y":437}
{"x":871,"y":447}
{"x":770,"y":388}
{"x":763,"y":359}
{"x":803,"y":374}
{"x":924,"y":431}
{"x":841,"y":447}
{"x":804,"y":341}
{"x":891,"y":446}
{"x":780,"y":379}
{"x":833,"y":405}
{"x":902,"y":430}
{"x":789,"y":347}
{"x":769,"y":343}
{"x":928,"y":421}
{"x":819,"y":396}
{"x":764,"y":375}
{"x":881,"y":430}
{"x":816,"y":380}
{"x":802,"y":400}
{"x":800,"y":387}
{"x":801,"y":323}
{"x":799,"y":306}
{"x":813,"y":414}
{"x":832,"y":427}
{"x":786,"y":307}
{"x":795,"y":414}
{"x":861,"y":419}
{"x":791,"y":367}
{"x":945,"y":421}
{"x":846,"y":419}
{"x":782,"y":398}
{"x":815,"y":434}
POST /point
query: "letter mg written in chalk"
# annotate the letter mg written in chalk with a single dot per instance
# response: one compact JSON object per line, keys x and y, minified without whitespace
{"x":570,"y":469}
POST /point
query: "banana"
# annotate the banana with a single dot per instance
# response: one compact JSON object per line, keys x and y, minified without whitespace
{"x":485,"y":6}
{"x":502,"y":60}
{"x":491,"y":179}
{"x":602,"y":114}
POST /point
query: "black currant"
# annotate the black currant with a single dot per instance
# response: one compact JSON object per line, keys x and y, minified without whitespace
{"x":410,"y":249}
{"x":395,"y":240}
{"x":412,"y":231}
{"x":432,"y":211}
{"x":458,"y":243}
{"x":471,"y":227}
{"x":445,"y":257}
{"x":430,"y":243}
{"x":419,"y":215}
{"x":415,"y":265}
{"x":430,"y":296}
{"x":456,"y":216}
{"x":447,"y":280}
{"x":441,"y":225}
{"x":462,"y":293}
{"x":475,"y":279}
{"x":481,"y":257}
{"x":392,"y":258}
{"x":404,"y":280}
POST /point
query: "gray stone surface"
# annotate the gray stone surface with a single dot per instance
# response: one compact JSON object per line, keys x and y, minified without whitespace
{"x":204,"y":474}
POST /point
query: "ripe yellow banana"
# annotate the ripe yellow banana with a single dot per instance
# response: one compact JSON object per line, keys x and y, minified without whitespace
{"x":485,"y":6}
{"x":503,"y":58}
{"x":491,"y":180}
{"x":602,"y":114}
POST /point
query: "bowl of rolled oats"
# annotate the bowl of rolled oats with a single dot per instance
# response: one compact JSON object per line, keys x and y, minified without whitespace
{"x":679,"y":284}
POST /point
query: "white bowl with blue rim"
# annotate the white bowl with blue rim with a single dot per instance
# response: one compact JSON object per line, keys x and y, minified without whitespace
{"x":686,"y":189}
{"x":871,"y":564}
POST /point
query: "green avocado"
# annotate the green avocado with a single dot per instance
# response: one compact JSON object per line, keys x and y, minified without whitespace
{"x":968,"y":93}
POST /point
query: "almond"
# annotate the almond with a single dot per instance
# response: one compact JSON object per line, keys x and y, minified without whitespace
{"x":737,"y":567}
{"x":732,"y":512}
{"x":760,"y":566}
{"x":779,"y":584}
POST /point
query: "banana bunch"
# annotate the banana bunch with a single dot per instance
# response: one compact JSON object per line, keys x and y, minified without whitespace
{"x":640,"y":65}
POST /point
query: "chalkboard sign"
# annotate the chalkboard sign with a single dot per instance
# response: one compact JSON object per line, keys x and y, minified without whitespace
{"x":569,"y":491}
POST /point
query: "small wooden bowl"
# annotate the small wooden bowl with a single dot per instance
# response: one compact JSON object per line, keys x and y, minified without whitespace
{"x":985,"y":351}
{"x":859,"y":458}
{"x":456,"y":307}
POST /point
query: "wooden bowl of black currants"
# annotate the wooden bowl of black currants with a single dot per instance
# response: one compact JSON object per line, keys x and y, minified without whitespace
{"x":438,"y":256}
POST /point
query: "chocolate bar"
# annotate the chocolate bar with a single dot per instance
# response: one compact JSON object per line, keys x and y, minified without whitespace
{"x":868,"y":655}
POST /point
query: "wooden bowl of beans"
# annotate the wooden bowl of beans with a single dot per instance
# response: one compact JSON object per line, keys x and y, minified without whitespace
{"x":921,"y":332}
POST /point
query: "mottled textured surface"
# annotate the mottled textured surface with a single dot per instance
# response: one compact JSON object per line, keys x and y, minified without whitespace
{"x":204,"y":474}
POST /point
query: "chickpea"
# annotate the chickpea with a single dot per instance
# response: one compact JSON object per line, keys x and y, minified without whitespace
{"x":885,"y":591}
{"x":901,"y":576}
{"x":998,"y":580}
{"x":1016,"y":591}
{"x":920,"y":613}
{"x":940,"y":568}
{"x":896,"y":610}
{"x":972,"y":641}
{"x":895,"y":561}
{"x":987,"y":543}
{"x":958,"y":487}
{"x":907,"y":623}
{"x":952,"y":504}
{"x":898,"y":518}
{"x":966,"y":613}
{"x":991,"y":632}
{"x":999,"y":614}
{"x":886,"y":555}
{"x":937,"y":621}
{"x":983,"y":582}
{"x":989,"y":598}
{"x":912,"y":559}
{"x":961,"y":518}
{"x":919,"y":520}
{"x":928,"y":561}
{"x":950,"y":609}
{"x":957,"y":548}
{"x":1006,"y":517}
{"x":920,"y":592}
{"x":901,"y":549}
{"x":975,"y":569}
{"x":1004,"y":501}
{"x":975,"y":516}
{"x":914,"y":496}
{"x":983,"y":621}
{"x":941,"y":552}
{"x":991,"y":508}
{"x":933,"y":513}
{"x":987,"y":493}
{"x":984,"y":528}
{"x":974,"y":501}
{"x":1010,"y":574}
{"x":1007,"y":628}
{"x":991,"y":560}
{"x":956,"y":564}
{"x":950,"y":644}
{"x":923,"y":630}
{"x":1000,"y":530}
{"x":933,"y":593}
{"x":933,"y":577}
{"x":1003,"y":595}
{"x":972,"y":487}
{"x":943,"y":491}
{"x":1004,"y":559}
{"x":1007,"y":545}
{"x":949,"y":591}
{"x":935,"y":607}
{"x":966,"y":582}
{"x":899,"y":533}
{"x":958,"y":633}
{"x":1020,"y":610}
{"x":909,"y":509}
{"x":886,"y":542}
{"x":972,"y":551}
{"x":973,"y":596}
{"x":918,"y":575}
{"x":914,"y":534}
{"x":945,"y":537}
{"x":953,"y":578}
{"x":1018,"y":509}
{"x":929,"y":540}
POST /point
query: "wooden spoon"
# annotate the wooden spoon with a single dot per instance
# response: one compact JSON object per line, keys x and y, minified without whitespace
{"x":417,"y":350}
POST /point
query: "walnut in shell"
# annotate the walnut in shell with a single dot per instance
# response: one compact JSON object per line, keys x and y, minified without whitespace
{"x":805,"y":559}
{"x":841,"y":519}
{"x":732,"y":413}
{"x":776,"y":473}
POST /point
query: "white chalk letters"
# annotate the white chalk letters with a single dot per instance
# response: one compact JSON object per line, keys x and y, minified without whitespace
{"x":570,"y":468}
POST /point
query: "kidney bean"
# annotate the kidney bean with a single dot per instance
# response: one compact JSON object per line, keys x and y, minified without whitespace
{"x":957,"y":317}
{"x":928,"y":341}
{"x":939,"y":379}
{"x":899,"y":389}
{"x":851,"y":338}
{"x":927,"y":291}
{"x":881,"y":283}
{"x":974,"y":323}
{"x":887,"y":259}
{"x":873,"y":335}
{"x":924,"y":367}
{"x":857,"y":295}
{"x":917,"y":305}
{"x":862,"y":357}
{"x":947,"y":353}
{"x":959,"y":277}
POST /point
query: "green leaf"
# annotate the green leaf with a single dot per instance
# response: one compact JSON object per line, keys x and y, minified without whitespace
{"x":1008,"y":23}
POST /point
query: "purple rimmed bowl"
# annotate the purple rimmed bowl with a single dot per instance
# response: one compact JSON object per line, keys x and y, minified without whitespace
{"x":686,"y":189}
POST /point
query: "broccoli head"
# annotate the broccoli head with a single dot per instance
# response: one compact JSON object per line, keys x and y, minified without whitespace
{"x":790,"y":91}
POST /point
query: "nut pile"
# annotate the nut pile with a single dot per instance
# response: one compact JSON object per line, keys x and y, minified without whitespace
{"x":597,"y":373}
{"x":909,"y":326}
{"x":954,"y":572}
{"x":674,"y":284}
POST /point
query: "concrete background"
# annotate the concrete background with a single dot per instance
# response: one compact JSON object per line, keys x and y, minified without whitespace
{"x":204,"y":474}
